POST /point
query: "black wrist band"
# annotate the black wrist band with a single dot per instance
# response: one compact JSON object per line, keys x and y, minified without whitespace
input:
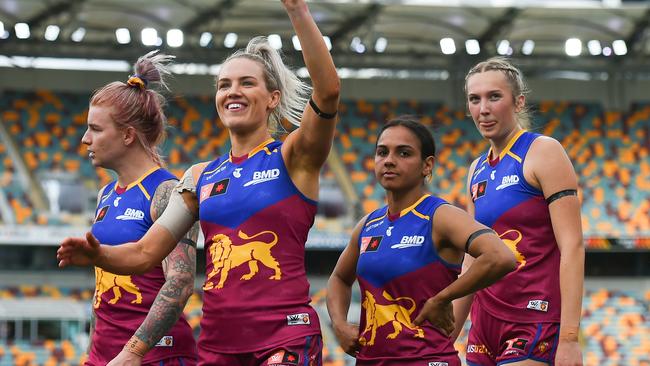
{"x":320,"y":113}
{"x":474,"y":235}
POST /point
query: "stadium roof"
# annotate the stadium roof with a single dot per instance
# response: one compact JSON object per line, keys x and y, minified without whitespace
{"x":410,"y":31}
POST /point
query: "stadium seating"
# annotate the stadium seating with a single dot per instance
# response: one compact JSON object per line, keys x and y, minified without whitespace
{"x":615,"y":328}
{"x":609,"y":150}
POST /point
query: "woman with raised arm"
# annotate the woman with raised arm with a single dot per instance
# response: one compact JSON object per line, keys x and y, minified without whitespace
{"x":525,"y":189}
{"x":126,"y":123}
{"x":407,"y":257}
{"x":255,"y":206}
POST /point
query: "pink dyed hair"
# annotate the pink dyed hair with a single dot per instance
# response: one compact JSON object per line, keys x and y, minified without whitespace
{"x":140,"y":108}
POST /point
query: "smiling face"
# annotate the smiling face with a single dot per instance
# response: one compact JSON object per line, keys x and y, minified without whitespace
{"x":398,"y":160}
{"x":243,"y":99}
{"x":492,"y":105}
{"x":104,"y":140}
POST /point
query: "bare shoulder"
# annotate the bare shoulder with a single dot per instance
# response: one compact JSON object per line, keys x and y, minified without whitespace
{"x":100,"y":194}
{"x":360,"y":224}
{"x":548,"y":166}
{"x":191,"y":176}
{"x":472,"y":169}
{"x":546,"y":144}
{"x":472,"y":166}
{"x":449,"y":215}
{"x":198,"y":168}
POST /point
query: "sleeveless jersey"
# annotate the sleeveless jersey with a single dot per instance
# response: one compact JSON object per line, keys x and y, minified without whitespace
{"x":398,"y":271}
{"x":255,"y":223}
{"x":519,"y":214}
{"x":122,"y":302}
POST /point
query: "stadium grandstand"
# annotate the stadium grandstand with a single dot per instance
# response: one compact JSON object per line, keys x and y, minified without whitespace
{"x":586,"y":63}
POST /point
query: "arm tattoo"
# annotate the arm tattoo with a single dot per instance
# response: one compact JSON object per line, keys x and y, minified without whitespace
{"x":179,"y":267}
{"x":192,"y":236}
{"x":161,"y":198}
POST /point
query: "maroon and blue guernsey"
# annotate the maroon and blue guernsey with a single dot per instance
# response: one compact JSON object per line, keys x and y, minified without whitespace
{"x":519,"y":214}
{"x":398,"y":271}
{"x":121,"y":303}
{"x":255,"y":223}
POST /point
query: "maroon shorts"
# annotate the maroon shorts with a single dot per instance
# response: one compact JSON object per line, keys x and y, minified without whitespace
{"x":433,"y":361}
{"x":306,"y":351}
{"x":174,"y":361}
{"x":496,"y":342}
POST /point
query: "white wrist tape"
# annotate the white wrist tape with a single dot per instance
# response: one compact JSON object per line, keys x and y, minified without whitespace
{"x":177,"y":217}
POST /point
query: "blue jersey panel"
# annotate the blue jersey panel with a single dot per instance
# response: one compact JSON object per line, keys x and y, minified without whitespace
{"x":257,"y":181}
{"x":126,"y":217}
{"x":389,"y":249}
{"x":497,"y":189}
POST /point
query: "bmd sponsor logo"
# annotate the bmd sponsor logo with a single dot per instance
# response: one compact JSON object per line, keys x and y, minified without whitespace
{"x":131,"y":214}
{"x":409,"y":241}
{"x":507,"y":181}
{"x":263,"y":176}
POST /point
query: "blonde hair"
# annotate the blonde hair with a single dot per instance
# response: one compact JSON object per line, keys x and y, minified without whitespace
{"x":515,"y":80}
{"x":294,"y":93}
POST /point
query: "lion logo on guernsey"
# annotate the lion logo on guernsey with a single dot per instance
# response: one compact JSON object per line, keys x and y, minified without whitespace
{"x":226,"y":256}
{"x":379,"y":315}
{"x":507,"y":238}
{"x":106,"y":281}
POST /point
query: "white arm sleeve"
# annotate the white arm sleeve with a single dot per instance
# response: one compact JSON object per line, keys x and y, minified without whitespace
{"x":177,"y":217}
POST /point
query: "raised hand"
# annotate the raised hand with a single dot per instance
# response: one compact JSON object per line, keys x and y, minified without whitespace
{"x":293,"y":4}
{"x":439,"y":314}
{"x":78,"y":251}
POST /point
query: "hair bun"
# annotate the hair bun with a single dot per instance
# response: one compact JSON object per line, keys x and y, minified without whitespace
{"x":137,"y":80}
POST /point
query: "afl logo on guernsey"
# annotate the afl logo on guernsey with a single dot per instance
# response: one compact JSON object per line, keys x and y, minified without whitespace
{"x":539,"y":305}
{"x":298,"y":319}
{"x":263,"y":176}
{"x":165,"y":341}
